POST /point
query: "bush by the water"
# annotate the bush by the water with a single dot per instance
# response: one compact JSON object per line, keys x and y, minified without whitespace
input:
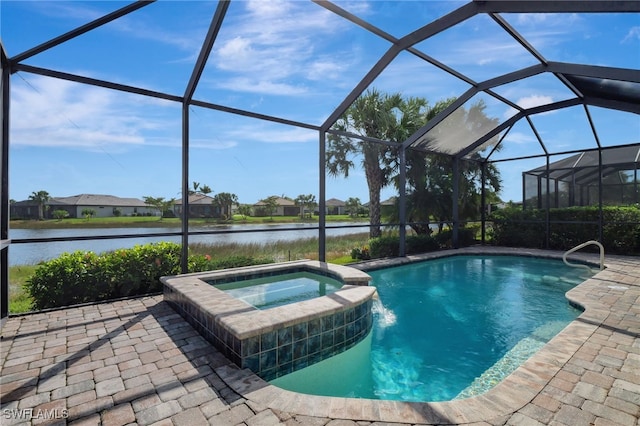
{"x":81,"y":277}
{"x":389,"y":246}
{"x":515,"y":227}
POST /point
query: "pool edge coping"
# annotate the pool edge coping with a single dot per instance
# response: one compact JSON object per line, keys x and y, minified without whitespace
{"x":510,"y":395}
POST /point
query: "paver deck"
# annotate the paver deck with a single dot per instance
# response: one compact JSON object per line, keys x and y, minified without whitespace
{"x":138,"y":362}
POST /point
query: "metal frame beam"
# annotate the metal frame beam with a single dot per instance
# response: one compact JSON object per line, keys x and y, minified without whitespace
{"x":81,"y":30}
{"x":207,"y":45}
{"x":5,"y":73}
{"x":557,"y":6}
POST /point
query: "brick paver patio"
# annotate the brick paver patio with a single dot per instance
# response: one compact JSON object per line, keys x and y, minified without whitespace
{"x":138,"y":362}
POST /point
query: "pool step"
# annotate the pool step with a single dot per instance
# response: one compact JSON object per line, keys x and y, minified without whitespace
{"x":517,"y":355}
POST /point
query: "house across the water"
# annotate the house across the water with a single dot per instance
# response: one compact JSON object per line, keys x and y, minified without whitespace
{"x":102,"y":205}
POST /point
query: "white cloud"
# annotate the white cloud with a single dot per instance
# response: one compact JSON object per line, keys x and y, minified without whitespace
{"x":52,"y":112}
{"x":266,"y":87}
{"x":633,"y":34}
{"x":529,"y":102}
{"x":265,"y":134}
{"x":211,"y":143}
{"x":274,"y":47}
{"x":534,"y":101}
{"x":520,"y":138}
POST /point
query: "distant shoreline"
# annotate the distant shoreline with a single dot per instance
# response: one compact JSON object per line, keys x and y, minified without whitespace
{"x":154,"y":222}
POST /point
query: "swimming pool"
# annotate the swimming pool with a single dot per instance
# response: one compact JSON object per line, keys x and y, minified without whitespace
{"x":448,"y":328}
{"x":271,"y":291}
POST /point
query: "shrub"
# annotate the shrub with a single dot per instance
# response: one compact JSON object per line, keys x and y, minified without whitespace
{"x":389,"y":246}
{"x":385,"y":246}
{"x":514,"y":227}
{"x":69,"y":279}
{"x":421,"y":244}
{"x":466,"y":237}
{"x":60,"y":214}
{"x":361,"y":253}
{"x":199,"y":263}
{"x":569,"y":227}
{"x":82,"y":277}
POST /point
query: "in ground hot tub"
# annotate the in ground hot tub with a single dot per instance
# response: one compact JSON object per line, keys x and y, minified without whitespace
{"x":276,"y":290}
{"x":274,"y":341}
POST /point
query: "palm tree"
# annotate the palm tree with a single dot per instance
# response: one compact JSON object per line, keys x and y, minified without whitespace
{"x":353,"y":205}
{"x":306,"y":202}
{"x":42,"y":198}
{"x":388,"y":117}
{"x":197,"y":189}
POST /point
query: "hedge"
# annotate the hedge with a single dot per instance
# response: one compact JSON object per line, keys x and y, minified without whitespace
{"x":389,"y":246}
{"x":573,"y":225}
{"x":82,"y":277}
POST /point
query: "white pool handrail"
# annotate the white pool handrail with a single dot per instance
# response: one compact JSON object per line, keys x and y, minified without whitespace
{"x":580,"y":246}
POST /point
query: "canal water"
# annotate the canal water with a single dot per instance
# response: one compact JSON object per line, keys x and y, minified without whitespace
{"x":32,"y":253}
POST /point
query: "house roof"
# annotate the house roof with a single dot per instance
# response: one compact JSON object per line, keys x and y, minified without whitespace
{"x":334,"y":202}
{"x":197,"y":199}
{"x":89,"y":200}
{"x":97,"y":200}
{"x":282,"y":202}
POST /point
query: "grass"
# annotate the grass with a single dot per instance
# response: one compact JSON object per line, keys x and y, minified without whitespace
{"x":19,"y":299}
{"x":336,"y":247}
{"x":338,"y":250}
{"x":154,"y":221}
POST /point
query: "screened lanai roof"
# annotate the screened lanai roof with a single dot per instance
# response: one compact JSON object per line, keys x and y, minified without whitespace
{"x":519,"y":58}
{"x":614,"y":163}
{"x":128,"y":96}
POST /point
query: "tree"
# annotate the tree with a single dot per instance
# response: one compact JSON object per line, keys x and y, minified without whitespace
{"x":88,"y":213}
{"x":244,"y":210}
{"x":60,"y":214}
{"x":197,"y":189}
{"x":382,"y":116}
{"x":270,"y":205}
{"x":225,"y":201}
{"x":353,"y":205}
{"x":159,"y":203}
{"x":41,"y":198}
{"x":306,"y":202}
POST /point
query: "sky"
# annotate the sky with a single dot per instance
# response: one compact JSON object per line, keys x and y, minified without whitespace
{"x":289,"y":59}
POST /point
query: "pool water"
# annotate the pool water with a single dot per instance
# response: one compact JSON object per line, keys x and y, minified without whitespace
{"x":448,"y":328}
{"x":282,"y":289}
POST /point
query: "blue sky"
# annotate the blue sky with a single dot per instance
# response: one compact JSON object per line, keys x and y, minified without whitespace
{"x":294,"y":60}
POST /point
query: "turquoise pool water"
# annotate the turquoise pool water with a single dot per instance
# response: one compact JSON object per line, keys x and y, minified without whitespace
{"x":277,"y":290}
{"x":448,"y":328}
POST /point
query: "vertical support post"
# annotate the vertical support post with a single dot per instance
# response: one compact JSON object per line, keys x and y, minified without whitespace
{"x":600,"y":215}
{"x":4,"y":182}
{"x":455,"y":197}
{"x":184,"y":258}
{"x":547,"y":233}
{"x":402,"y":206}
{"x":524,"y":192}
{"x":322,"y":202}
{"x":483,"y":202}
{"x":635,"y":184}
{"x":207,"y":45}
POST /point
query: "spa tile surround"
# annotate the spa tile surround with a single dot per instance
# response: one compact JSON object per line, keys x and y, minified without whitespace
{"x":280,"y":340}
